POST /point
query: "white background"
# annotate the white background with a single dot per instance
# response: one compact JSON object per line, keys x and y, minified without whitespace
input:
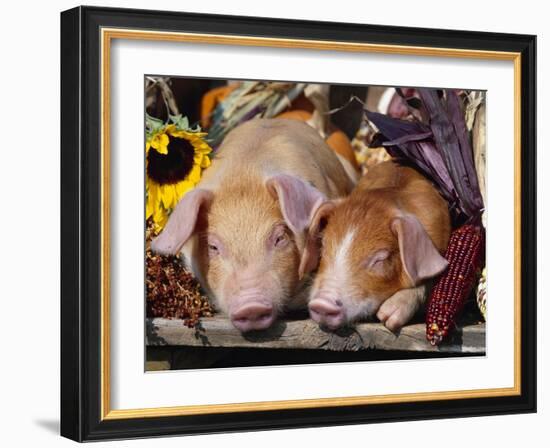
{"x":29,"y":174}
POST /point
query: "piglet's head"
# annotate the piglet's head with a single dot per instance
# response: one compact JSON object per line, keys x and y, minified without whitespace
{"x":367,"y":255}
{"x":247,"y":242}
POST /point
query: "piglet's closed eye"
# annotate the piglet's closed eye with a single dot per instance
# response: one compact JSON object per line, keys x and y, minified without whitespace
{"x":182,"y":222}
{"x":419,"y":256}
{"x":375,"y":262}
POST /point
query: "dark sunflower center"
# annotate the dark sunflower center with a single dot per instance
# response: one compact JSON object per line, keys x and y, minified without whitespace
{"x":172,"y":167}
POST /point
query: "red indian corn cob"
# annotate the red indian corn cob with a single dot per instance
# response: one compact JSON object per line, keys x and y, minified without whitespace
{"x":464,"y":254}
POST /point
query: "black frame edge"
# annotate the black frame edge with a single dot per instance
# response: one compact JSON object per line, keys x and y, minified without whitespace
{"x":80,"y":224}
{"x":71,"y":383}
{"x":529,"y":222}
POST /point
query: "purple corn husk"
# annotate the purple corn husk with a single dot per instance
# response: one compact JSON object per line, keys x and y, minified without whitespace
{"x":441,"y":151}
{"x":459,"y":124}
{"x":454,"y":147}
{"x":411,"y":144}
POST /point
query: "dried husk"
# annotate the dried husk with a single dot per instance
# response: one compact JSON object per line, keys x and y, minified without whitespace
{"x":479,"y":140}
{"x":251,"y":99}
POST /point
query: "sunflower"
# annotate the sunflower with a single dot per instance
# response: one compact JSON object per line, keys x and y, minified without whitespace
{"x":175,"y":157}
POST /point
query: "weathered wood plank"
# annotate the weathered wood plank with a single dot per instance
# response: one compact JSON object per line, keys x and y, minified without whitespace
{"x":306,"y":334}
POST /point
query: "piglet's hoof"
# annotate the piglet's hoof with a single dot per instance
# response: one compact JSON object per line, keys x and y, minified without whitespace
{"x":394,"y":316}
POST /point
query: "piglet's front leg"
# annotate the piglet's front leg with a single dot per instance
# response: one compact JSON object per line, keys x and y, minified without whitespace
{"x":399,"y":309}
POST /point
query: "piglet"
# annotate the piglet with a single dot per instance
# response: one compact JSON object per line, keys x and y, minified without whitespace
{"x":242,"y":230}
{"x":379,"y":248}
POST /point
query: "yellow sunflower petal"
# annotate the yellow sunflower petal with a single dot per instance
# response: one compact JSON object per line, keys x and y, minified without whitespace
{"x":160,"y":143}
{"x":152,"y":191}
{"x":170,"y":129}
{"x":195,"y":174}
{"x":205,"y":162}
{"x":148,"y":208}
{"x":155,"y":141}
{"x":179,"y":134}
{"x":175,"y":197}
{"x":183,"y":187}
{"x":160,"y":216}
{"x":152,"y":198}
{"x":203,"y":148}
{"x":162,"y":221}
{"x":163,"y":147}
{"x":197,"y":158}
{"x":168,"y":196}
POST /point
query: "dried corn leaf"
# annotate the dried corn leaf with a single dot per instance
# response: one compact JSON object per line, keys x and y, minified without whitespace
{"x":479,"y":147}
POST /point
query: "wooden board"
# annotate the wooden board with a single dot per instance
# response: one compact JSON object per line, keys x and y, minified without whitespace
{"x":306,"y":334}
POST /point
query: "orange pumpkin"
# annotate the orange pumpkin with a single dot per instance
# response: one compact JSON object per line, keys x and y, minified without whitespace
{"x":336,"y":140}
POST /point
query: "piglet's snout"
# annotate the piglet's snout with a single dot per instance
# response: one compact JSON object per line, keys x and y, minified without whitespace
{"x":250,"y":300}
{"x":327,"y":312}
{"x":253,"y":316}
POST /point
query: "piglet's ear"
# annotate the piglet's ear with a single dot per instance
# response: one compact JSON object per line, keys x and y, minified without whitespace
{"x":419,"y":256}
{"x":298,"y":200}
{"x":312,"y":250}
{"x":182,"y":222}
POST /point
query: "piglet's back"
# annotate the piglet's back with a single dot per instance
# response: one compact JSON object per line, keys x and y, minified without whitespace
{"x":410,"y":192}
{"x":264,"y":147}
